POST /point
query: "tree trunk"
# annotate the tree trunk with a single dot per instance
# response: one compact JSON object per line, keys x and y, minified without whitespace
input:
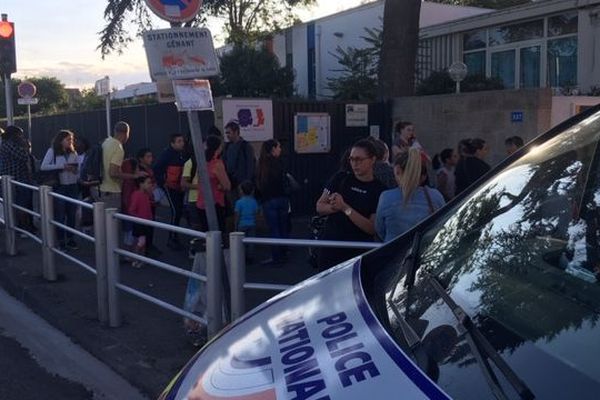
{"x":400,"y":45}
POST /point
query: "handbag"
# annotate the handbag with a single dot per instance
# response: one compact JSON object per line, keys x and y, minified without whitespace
{"x":291,"y":185}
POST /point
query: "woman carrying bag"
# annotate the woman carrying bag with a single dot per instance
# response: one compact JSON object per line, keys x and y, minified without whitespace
{"x":61,"y":158}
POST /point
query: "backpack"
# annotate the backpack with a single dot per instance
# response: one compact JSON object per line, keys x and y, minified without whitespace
{"x":92,"y":168}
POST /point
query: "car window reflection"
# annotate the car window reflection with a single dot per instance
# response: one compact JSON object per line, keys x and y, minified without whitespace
{"x":525,"y":243}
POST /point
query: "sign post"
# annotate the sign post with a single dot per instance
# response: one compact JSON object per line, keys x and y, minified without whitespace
{"x":103,"y":89}
{"x":8,"y":62}
{"x":178,"y":54}
{"x":27,"y":91}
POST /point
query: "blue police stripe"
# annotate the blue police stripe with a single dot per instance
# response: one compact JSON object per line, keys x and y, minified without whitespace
{"x":430,"y":389}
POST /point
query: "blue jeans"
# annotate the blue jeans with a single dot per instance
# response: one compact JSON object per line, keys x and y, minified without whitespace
{"x":276,"y":214}
{"x":64,"y":212}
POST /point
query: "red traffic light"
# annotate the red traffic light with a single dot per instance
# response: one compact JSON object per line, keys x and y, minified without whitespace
{"x":6,"y":30}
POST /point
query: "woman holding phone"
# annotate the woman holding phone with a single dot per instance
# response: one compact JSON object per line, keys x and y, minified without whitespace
{"x":61,"y":158}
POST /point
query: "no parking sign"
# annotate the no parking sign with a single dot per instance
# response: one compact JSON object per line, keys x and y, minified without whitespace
{"x":175,"y":10}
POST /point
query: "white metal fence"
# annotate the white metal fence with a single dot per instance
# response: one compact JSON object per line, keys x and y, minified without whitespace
{"x":106,"y":267}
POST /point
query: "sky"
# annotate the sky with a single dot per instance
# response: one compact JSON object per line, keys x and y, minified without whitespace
{"x":58,"y":38}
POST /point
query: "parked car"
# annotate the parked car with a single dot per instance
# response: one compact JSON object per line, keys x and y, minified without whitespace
{"x":495,"y":296}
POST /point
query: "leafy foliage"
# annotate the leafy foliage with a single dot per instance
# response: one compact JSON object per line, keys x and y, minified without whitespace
{"x":247,"y":71}
{"x":439,"y":82}
{"x":246,"y":19}
{"x":51,"y":93}
{"x":358,"y":78}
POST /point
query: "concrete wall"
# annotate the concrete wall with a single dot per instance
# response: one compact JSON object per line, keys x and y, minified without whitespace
{"x":442,"y":121}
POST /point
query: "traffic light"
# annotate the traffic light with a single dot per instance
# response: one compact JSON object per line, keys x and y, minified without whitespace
{"x":8,"y":54}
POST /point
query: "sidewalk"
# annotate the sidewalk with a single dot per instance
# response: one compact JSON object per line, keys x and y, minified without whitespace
{"x":150,"y":347}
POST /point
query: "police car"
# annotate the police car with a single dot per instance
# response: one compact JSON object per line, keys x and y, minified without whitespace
{"x":494,"y":297}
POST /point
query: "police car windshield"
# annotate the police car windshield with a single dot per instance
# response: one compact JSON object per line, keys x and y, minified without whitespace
{"x":521,"y":256}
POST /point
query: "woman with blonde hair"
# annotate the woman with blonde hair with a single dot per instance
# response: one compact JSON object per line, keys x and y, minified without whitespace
{"x":401,"y":208}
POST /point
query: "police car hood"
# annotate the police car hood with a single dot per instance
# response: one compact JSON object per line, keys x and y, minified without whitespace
{"x":319,"y":340}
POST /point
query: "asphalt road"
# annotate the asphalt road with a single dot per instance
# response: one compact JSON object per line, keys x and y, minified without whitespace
{"x":22,"y":378}
{"x":37,"y":361}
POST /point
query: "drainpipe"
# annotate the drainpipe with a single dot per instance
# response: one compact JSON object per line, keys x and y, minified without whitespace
{"x":318,"y":62}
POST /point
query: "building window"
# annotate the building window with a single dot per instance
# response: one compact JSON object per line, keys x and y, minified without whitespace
{"x":530,"y":67}
{"x":562,"y":62}
{"x":516,"y":32}
{"x":474,"y":40}
{"x":563,"y":24}
{"x":503,"y":67}
{"x":475,"y":63}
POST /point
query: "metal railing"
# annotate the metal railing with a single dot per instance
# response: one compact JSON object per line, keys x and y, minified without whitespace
{"x":237,"y":277}
{"x":106,"y":234}
{"x":213,"y":320}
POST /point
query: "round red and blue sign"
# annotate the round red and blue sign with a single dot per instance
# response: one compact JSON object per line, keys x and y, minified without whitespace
{"x":175,"y":10}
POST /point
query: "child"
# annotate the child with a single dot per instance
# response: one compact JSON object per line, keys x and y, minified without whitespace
{"x":246,"y":210}
{"x":140,"y":206}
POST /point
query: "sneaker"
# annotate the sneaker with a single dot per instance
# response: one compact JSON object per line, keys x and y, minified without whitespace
{"x":72,"y":245}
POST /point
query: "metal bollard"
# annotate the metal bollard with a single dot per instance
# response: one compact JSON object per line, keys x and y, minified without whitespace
{"x":48,"y":234}
{"x":101,"y":253}
{"x":112,"y":268}
{"x":10,"y":236}
{"x":237,"y":274}
{"x":214,"y":292}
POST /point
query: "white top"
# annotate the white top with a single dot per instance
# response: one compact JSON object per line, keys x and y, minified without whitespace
{"x":50,"y":163}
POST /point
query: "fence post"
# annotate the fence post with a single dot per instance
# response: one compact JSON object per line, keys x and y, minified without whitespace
{"x":48,"y":234}
{"x":237,"y":272}
{"x":112,"y":268}
{"x":9,"y":216}
{"x":214,"y":284}
{"x":101,"y":254}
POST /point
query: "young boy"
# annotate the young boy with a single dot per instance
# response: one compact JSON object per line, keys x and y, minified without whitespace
{"x":246,"y":210}
{"x":140,"y":206}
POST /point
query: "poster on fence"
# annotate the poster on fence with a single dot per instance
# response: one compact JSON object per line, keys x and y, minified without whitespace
{"x":312,"y":133}
{"x":255,"y":117}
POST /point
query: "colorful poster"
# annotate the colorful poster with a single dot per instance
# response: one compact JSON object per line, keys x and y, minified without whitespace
{"x":312,"y":133}
{"x":255,"y":117}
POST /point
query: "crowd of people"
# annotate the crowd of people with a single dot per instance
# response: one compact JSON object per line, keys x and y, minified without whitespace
{"x":377,"y":194}
{"x":374,"y":198}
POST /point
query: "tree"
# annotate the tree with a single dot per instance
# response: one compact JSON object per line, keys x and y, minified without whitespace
{"x":359,"y":68}
{"x":399,"y":50}
{"x":246,"y":19}
{"x":51,"y":93}
{"x":253,"y":72}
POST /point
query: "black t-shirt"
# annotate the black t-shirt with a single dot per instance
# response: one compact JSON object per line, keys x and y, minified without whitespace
{"x":361,"y":196}
{"x":468,"y":170}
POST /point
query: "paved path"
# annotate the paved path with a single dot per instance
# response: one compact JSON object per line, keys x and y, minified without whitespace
{"x":150,"y":347}
{"x":38,"y":361}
